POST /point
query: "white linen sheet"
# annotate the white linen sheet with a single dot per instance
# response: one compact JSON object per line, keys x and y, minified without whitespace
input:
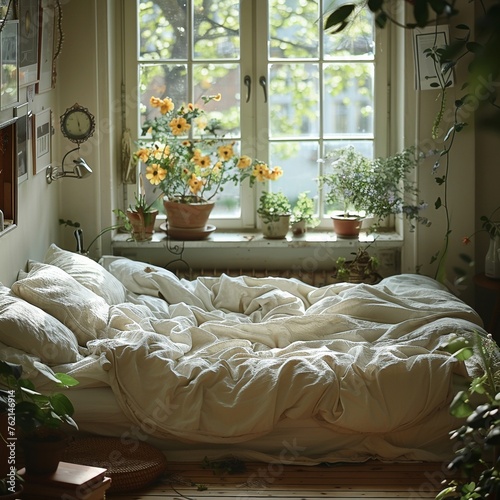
{"x":227,"y":361}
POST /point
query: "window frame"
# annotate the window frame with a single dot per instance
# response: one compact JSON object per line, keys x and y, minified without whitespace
{"x":250,"y":112}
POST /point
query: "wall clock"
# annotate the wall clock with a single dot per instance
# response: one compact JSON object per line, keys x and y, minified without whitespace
{"x":77,"y":124}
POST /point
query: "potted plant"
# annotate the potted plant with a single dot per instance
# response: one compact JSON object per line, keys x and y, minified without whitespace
{"x":142,"y":216}
{"x":275,"y":211}
{"x":377,"y":187}
{"x":492,"y":258}
{"x":476,"y":463}
{"x":189,"y":161}
{"x":361,"y":269}
{"x":40,"y":419}
{"x":303,"y":214}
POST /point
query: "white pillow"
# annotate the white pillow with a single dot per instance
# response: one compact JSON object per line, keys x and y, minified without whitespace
{"x":61,"y":296}
{"x":30,"y":329}
{"x":88,"y":273}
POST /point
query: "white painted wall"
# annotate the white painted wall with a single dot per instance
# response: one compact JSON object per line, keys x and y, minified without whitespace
{"x":83,"y":77}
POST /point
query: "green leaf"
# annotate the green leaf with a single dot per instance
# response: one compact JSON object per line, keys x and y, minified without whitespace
{"x":375,"y":5}
{"x":474,"y":47}
{"x":421,"y":12}
{"x":66,"y":380}
{"x":460,"y":407}
{"x":337,"y":20}
{"x":437,"y":203}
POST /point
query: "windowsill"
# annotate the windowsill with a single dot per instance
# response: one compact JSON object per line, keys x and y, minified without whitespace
{"x":255,"y":239}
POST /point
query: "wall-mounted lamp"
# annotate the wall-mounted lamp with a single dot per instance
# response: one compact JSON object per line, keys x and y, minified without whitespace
{"x":80,"y":169}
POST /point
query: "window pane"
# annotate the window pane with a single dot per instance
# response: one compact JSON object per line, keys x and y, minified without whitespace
{"x":294,"y":29}
{"x":216,"y":29}
{"x":161,"y":80}
{"x":210,"y":79}
{"x":356,"y":40}
{"x":294,"y":100}
{"x":348,"y":98}
{"x":299,"y":161}
{"x":163,"y":30}
{"x":363,"y":147}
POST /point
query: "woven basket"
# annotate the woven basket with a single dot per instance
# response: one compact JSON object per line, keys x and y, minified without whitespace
{"x":131,"y":465}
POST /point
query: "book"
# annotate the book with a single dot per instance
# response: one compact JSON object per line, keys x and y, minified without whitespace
{"x":34,"y":491}
{"x":68,"y":475}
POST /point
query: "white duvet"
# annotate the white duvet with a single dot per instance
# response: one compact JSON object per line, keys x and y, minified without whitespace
{"x":224,"y":359}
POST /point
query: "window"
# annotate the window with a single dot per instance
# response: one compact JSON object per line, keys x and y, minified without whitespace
{"x":291,"y":94}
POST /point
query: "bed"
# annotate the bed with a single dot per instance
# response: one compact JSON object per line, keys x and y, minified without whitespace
{"x":259,"y":368}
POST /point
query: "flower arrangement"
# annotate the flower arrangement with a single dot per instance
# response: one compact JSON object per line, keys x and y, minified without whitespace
{"x":188,"y":159}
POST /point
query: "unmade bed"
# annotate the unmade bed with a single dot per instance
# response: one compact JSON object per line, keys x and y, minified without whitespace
{"x":261,"y":368}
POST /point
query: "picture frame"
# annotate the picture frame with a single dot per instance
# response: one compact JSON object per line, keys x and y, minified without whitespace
{"x":22,"y":136}
{"x":29,"y":21}
{"x":9,"y":65}
{"x":46,"y":74}
{"x":42,"y":139}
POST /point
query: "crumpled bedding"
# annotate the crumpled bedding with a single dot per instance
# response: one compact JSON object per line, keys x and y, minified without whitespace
{"x":223,"y":360}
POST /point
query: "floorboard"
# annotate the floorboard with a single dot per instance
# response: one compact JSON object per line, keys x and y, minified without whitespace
{"x":370,"y":480}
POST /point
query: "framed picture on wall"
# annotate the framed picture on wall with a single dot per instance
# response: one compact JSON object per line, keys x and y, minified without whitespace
{"x":9,"y":65}
{"x":42,"y":138}
{"x":46,"y":79}
{"x":28,"y":15}
{"x":22,"y":133}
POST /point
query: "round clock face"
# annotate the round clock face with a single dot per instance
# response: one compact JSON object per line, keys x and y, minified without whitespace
{"x":77,"y":124}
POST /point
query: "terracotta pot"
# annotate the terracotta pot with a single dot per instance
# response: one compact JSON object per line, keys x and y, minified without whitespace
{"x":346,"y":227}
{"x":142,"y":224}
{"x":187,"y":215}
{"x":276,"y":229}
{"x":299,"y":228}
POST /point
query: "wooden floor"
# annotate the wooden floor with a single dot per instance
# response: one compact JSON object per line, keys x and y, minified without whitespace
{"x":371,"y":480}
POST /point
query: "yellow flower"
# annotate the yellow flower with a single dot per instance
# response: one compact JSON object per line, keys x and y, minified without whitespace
{"x":225,"y":152}
{"x":261,"y":171}
{"x":195,"y":183}
{"x":202,"y":161}
{"x":244,"y":161}
{"x":143,"y":154}
{"x":155,"y":174}
{"x":166,"y":105}
{"x":179,"y":125}
{"x":217,"y":97}
{"x":161,"y":150}
{"x":275,"y":173}
{"x":155,"y":102}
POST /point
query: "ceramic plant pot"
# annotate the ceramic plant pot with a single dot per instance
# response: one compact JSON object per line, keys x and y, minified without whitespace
{"x":187,"y":215}
{"x":346,"y":226}
{"x":276,"y":229}
{"x":142,"y":223}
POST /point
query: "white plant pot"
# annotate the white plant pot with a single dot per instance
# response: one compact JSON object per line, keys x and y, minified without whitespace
{"x":276,"y":229}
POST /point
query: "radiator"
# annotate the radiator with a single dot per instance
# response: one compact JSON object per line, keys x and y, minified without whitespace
{"x":314,"y":278}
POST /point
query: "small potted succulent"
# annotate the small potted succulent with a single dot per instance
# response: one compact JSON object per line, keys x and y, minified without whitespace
{"x":275,"y":212}
{"x":303,"y":214}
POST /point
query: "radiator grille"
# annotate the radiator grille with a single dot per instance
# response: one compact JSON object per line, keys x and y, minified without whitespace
{"x":314,"y":278}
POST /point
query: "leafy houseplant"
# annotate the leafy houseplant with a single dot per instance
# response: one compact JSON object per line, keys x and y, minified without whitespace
{"x":39,"y":418}
{"x":141,"y":216}
{"x":303,"y":214}
{"x":476,"y":458}
{"x":361,"y":269}
{"x":377,"y":187}
{"x":275,"y":211}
